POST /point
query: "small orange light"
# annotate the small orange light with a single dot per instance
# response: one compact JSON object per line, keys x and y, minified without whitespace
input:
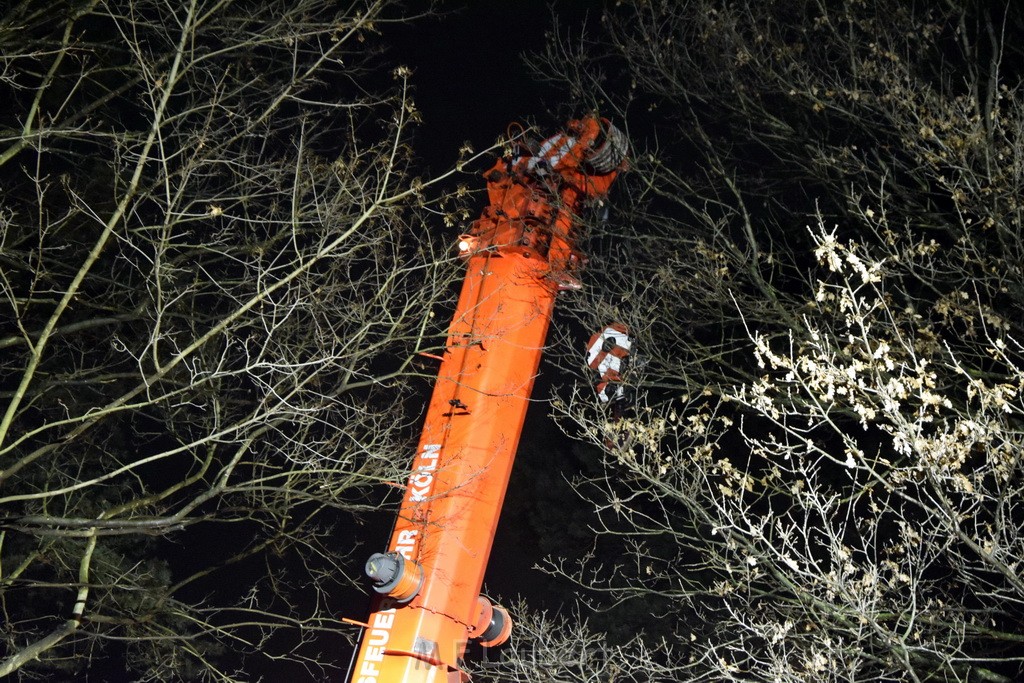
{"x":464,"y":245}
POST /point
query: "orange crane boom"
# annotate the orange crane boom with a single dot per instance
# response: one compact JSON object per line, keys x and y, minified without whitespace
{"x":519,"y":254}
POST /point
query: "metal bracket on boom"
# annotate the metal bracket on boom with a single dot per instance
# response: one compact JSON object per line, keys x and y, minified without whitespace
{"x":493,"y":624}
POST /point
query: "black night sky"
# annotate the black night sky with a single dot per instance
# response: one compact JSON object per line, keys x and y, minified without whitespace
{"x":471,"y":77}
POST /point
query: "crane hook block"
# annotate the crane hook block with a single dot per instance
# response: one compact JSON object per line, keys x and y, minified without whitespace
{"x":610,"y":148}
{"x":394,"y":576}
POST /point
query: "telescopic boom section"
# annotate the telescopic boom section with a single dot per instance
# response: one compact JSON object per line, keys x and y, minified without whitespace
{"x":520,"y":253}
